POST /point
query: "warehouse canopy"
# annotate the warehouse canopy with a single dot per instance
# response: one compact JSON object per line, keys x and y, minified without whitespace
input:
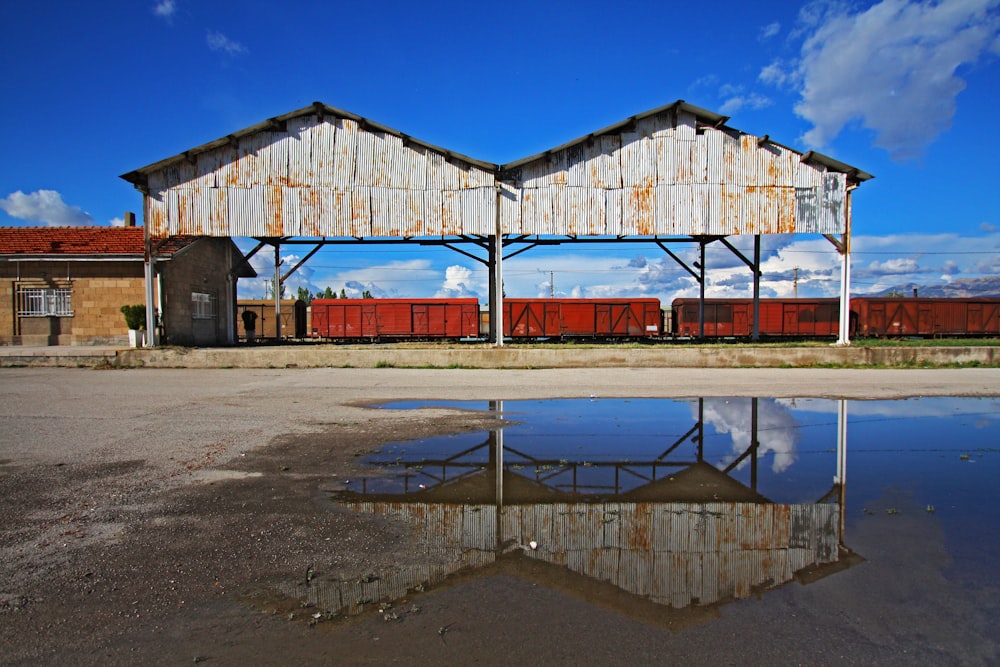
{"x":324,"y":172}
{"x":677,"y":173}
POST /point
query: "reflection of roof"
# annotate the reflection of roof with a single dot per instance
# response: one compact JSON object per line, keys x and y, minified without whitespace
{"x":669,"y":554}
{"x":701,"y":482}
{"x":123,"y":242}
{"x":476,"y":488}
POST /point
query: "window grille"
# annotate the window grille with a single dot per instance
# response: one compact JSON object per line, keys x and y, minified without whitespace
{"x":45,"y":302}
{"x":203,"y":306}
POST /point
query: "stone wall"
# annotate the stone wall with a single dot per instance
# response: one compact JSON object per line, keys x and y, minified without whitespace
{"x":99,"y":290}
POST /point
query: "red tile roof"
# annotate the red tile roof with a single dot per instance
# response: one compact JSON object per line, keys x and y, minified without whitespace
{"x":120,"y":241}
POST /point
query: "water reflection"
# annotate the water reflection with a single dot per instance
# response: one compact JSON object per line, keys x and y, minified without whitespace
{"x":657,"y":499}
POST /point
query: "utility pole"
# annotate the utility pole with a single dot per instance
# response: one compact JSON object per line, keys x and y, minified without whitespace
{"x":795,"y":282}
{"x":552,"y":283}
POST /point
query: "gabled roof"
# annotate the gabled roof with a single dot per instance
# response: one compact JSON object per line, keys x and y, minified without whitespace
{"x":279,"y":123}
{"x":109,"y":242}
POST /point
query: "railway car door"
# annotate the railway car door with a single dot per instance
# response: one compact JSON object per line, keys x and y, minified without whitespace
{"x":790,"y":320}
{"x":421,"y":316}
{"x":875,"y":321}
{"x":368,"y":324}
{"x":578,"y":318}
{"x":990,"y":317}
{"x":319,"y":322}
{"x":348,"y":323}
{"x":525,"y":319}
{"x":901,"y":318}
{"x":982,"y":318}
{"x":741,"y":321}
{"x":437,"y":320}
{"x":468,"y":318}
{"x":605,"y":321}
{"x":928,"y":321}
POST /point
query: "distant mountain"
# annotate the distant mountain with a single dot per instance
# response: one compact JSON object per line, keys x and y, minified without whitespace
{"x":987,"y":286}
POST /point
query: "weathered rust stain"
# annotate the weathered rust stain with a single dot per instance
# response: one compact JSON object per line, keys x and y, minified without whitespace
{"x":448,"y":222}
{"x":276,"y":209}
{"x":786,"y":210}
{"x":311,"y":211}
{"x":644,"y":197}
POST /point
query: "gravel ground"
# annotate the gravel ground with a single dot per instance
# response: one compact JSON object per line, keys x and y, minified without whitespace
{"x":145,"y":513}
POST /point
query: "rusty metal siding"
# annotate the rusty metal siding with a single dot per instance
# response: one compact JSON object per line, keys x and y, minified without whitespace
{"x":677,"y":181}
{"x":324,"y":176}
{"x":320,"y":174}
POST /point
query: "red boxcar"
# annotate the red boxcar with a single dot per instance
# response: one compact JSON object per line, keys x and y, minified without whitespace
{"x":885,"y":316}
{"x":394,"y":319}
{"x":733,"y":318}
{"x":584,"y":318}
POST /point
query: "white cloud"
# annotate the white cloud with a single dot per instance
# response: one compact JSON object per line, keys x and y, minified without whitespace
{"x":165,"y":8}
{"x":769,"y":31}
{"x":460,"y":282}
{"x":219,"y":42}
{"x":892,"y":68}
{"x":987,"y":227}
{"x":748,"y":101}
{"x":896,"y":266}
{"x":45,"y":206}
{"x":777,"y":74}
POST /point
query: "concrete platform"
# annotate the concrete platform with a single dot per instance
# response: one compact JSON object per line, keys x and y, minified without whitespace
{"x":483,"y":356}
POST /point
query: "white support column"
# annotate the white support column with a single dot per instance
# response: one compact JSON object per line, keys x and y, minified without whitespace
{"x":496,"y":316}
{"x":845,"y":277}
{"x":148,"y":276}
{"x":277,"y":292}
{"x":150,"y":301}
{"x":498,"y":279}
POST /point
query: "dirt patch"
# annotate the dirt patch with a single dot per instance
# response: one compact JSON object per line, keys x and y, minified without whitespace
{"x":92,"y":556}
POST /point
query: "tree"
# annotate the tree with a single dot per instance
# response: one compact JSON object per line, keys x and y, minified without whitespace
{"x":366,"y":295}
{"x":302,"y":294}
{"x":328,"y":293}
{"x":343,"y":293}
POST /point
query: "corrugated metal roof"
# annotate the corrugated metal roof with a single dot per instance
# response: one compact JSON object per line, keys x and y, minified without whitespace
{"x":321,"y":171}
{"x":280,"y":125}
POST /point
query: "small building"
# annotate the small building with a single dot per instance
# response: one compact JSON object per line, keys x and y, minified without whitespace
{"x":66,"y":286}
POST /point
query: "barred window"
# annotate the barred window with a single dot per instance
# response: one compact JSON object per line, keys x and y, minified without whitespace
{"x":44,"y":302}
{"x":203,"y":306}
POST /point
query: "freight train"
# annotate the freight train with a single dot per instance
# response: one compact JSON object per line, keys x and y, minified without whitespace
{"x":643,"y":319}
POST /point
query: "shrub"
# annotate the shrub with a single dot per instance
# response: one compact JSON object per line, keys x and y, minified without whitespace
{"x":135,"y":316}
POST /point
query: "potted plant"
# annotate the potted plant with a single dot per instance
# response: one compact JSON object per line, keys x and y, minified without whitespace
{"x":135,"y":319}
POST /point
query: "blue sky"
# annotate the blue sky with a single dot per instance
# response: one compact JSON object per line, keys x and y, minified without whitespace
{"x":905,"y":90}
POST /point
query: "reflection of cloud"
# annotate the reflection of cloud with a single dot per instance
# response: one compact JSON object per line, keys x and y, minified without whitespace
{"x":943,"y":406}
{"x":777,"y":430}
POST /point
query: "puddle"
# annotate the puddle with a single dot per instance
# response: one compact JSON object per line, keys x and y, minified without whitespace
{"x":674,"y":503}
